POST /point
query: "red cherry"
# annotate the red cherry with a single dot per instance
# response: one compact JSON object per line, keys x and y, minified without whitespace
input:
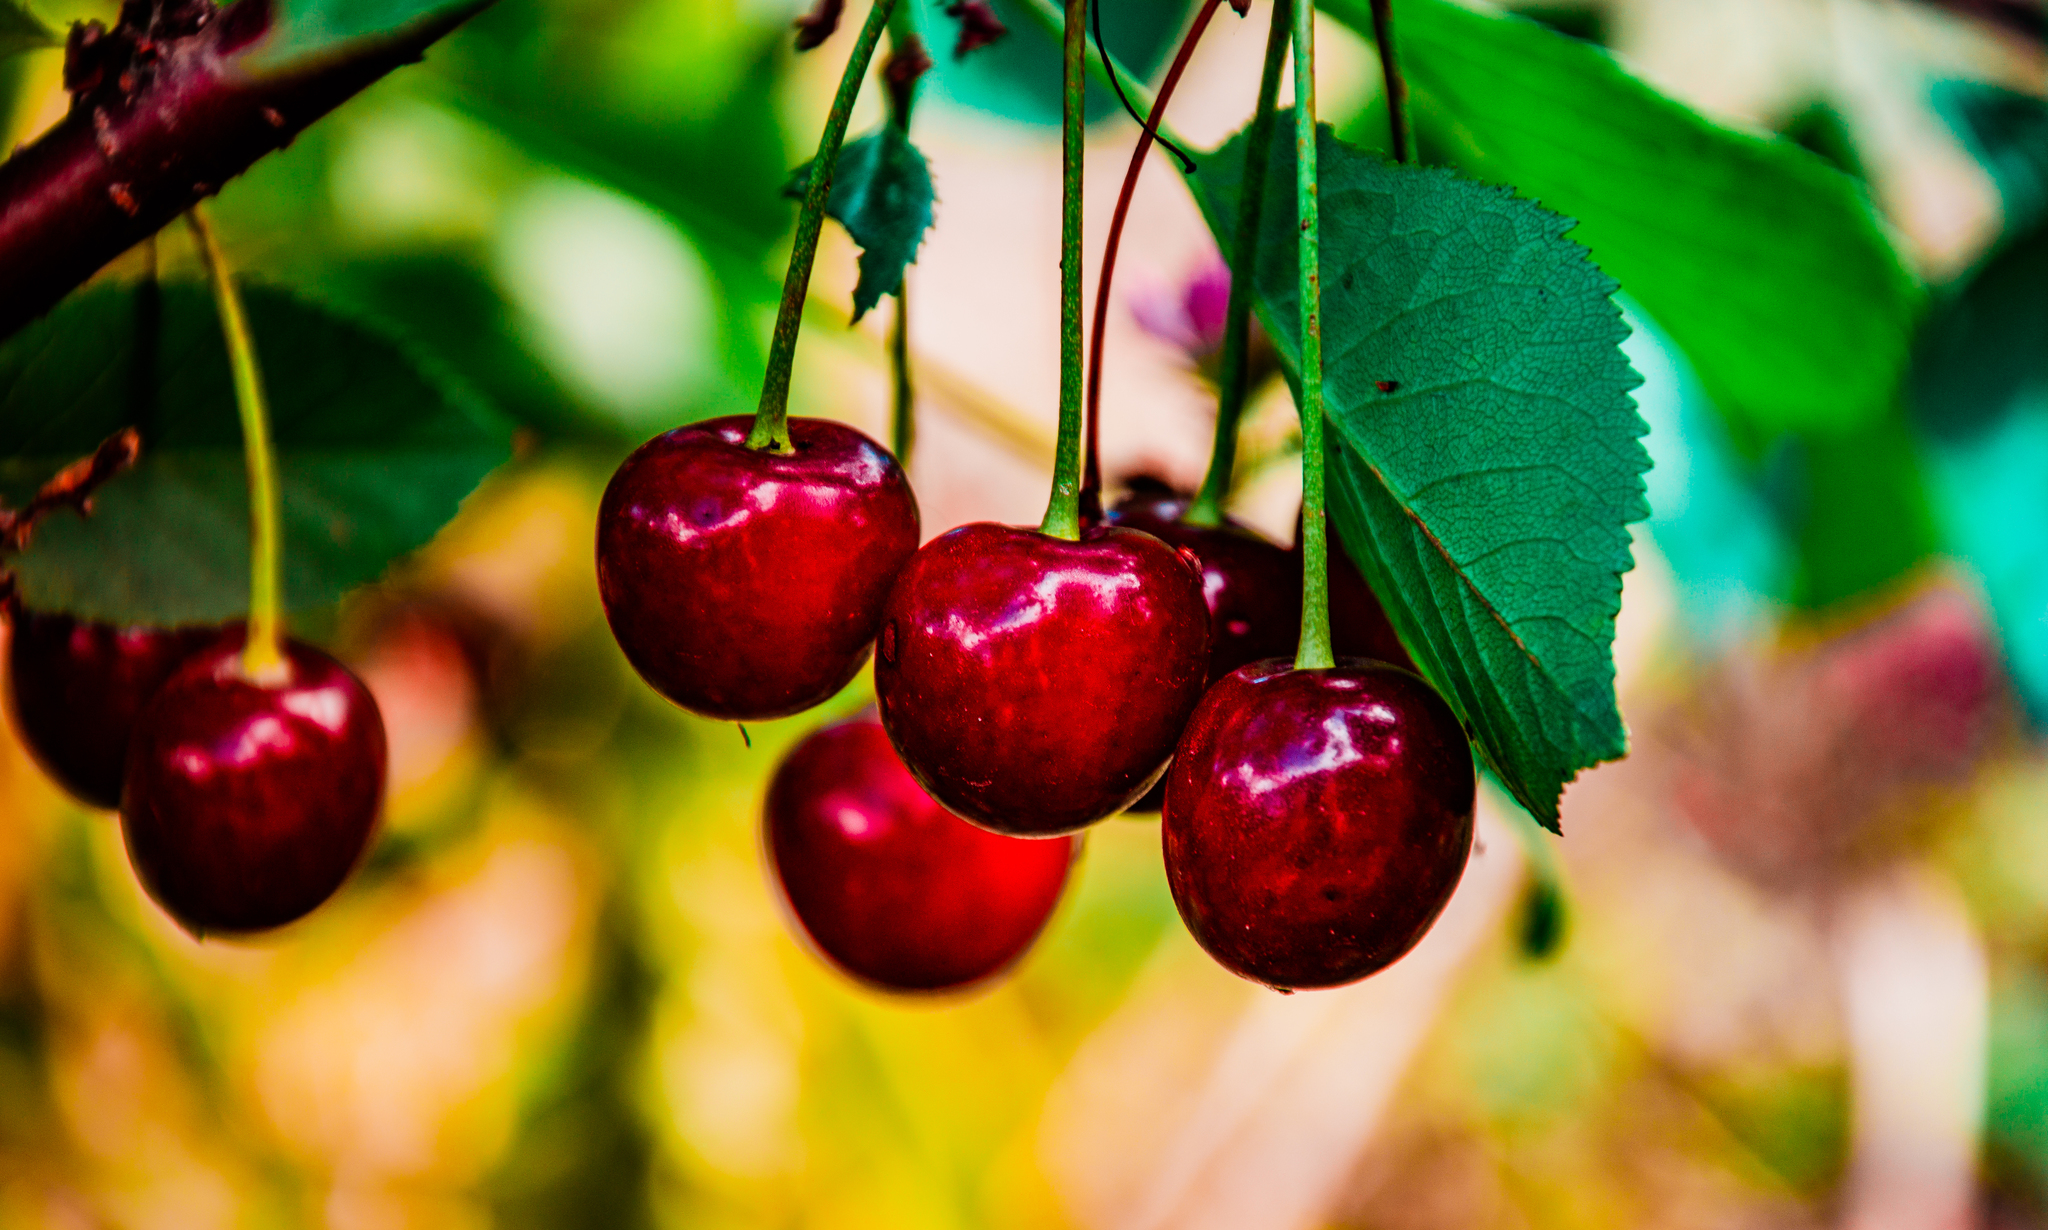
{"x":1358,"y":623}
{"x":247,"y":804}
{"x":1034,"y":685}
{"x":1317,"y":820}
{"x":74,"y":688}
{"x":744,"y":584}
{"x":891,"y":887}
{"x":1253,"y":588}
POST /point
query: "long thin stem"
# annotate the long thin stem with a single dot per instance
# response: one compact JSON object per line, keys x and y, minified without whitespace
{"x":1397,"y":85}
{"x":1314,"y":651}
{"x":1063,"y":510}
{"x":1048,"y":16}
{"x":771,"y":419}
{"x":262,"y":653}
{"x":907,"y":54}
{"x":1091,"y":482}
{"x":1233,"y":384}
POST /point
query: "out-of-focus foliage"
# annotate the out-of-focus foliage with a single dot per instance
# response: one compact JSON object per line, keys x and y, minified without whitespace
{"x":882,"y":195}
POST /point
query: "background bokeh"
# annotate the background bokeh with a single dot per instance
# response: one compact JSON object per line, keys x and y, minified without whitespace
{"x":1787,"y":967}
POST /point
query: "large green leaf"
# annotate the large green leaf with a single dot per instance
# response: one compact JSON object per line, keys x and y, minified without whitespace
{"x":1764,"y":264}
{"x":375,"y":453}
{"x":20,"y":30}
{"x":882,"y":195}
{"x":1486,"y":455}
{"x":307,"y":31}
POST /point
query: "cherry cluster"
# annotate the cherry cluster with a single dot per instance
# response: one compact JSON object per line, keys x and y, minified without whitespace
{"x":1028,"y":686}
{"x":245,"y":802}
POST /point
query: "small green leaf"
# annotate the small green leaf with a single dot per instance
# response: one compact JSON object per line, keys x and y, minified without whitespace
{"x":375,"y":453}
{"x":1486,"y":454}
{"x":1764,"y":264}
{"x":21,"y":30}
{"x":882,"y":195}
{"x":310,"y":31}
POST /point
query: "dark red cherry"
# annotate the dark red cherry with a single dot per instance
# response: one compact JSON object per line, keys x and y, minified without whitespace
{"x":1252,"y":587}
{"x":1358,"y":623}
{"x":74,"y":688}
{"x":247,"y":804}
{"x":891,"y":887}
{"x":1035,"y":685}
{"x":1317,"y":820}
{"x":744,"y":584}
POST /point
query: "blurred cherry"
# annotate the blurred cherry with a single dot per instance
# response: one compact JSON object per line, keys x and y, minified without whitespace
{"x":891,"y":887}
{"x":1317,"y":821}
{"x":247,"y":804}
{"x":746,"y":584}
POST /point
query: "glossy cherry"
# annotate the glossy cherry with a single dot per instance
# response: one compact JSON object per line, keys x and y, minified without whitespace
{"x":74,"y":687}
{"x":1035,"y":685}
{"x":891,"y":887}
{"x":1317,"y":821}
{"x":745,"y":584}
{"x":247,"y":804}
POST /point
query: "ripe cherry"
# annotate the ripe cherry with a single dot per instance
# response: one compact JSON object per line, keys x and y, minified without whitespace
{"x":248,"y":803}
{"x":891,"y":887}
{"x":75,"y":686}
{"x":1035,"y":685}
{"x":1317,"y":820}
{"x":746,"y":584}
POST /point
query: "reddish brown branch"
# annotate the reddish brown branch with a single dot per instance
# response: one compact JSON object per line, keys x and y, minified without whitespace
{"x":165,"y":109}
{"x":71,"y":488}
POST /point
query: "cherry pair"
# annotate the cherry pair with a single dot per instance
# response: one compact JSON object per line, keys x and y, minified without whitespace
{"x":244,"y":803}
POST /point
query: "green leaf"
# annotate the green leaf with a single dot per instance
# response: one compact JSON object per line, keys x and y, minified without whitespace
{"x":1767,"y":266}
{"x":21,"y":30}
{"x":1487,"y":457}
{"x":882,"y":195}
{"x":312,"y":31}
{"x":375,"y":453}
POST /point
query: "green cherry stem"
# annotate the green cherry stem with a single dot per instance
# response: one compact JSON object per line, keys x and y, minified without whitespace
{"x":1314,"y":652}
{"x":1233,"y":383}
{"x":1063,"y":510}
{"x":1397,"y":86}
{"x":262,"y":657}
{"x":771,"y":419}
{"x":1048,"y":16}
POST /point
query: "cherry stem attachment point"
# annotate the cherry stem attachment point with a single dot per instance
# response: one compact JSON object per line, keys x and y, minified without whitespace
{"x":1233,"y":382}
{"x":1314,"y":651}
{"x":1091,"y":483}
{"x":1398,"y":122}
{"x":262,"y":652}
{"x":1063,"y":510}
{"x":771,"y":419}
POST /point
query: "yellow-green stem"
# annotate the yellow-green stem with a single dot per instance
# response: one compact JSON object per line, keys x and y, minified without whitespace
{"x":262,"y":653}
{"x":771,"y":419}
{"x":1234,"y":377}
{"x":1314,"y":651}
{"x":1063,"y":510}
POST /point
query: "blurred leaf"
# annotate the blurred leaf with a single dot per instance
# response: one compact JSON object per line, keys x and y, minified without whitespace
{"x":2008,"y":132}
{"x":882,"y":195}
{"x":375,"y":453}
{"x":1855,"y":508}
{"x":1764,"y":264}
{"x":1486,"y":456}
{"x":21,"y":30}
{"x":315,"y":30}
{"x":1018,"y":76}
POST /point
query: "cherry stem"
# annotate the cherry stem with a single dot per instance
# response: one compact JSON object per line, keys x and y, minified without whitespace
{"x":1314,"y":652}
{"x":903,"y":413}
{"x":771,"y":419}
{"x":1063,"y":510}
{"x":1397,"y":86}
{"x":1233,"y":385}
{"x":262,"y":652}
{"x":1047,"y":15}
{"x":1091,"y":483}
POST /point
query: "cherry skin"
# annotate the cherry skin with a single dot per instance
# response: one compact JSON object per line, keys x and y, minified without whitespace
{"x":1317,"y":820}
{"x":74,"y":687}
{"x":247,"y":804}
{"x":1034,"y":685}
{"x":891,"y":887}
{"x":745,"y":584}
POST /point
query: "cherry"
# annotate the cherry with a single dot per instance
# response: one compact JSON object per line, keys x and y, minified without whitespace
{"x":746,"y":584}
{"x":75,"y":686}
{"x":248,"y":803}
{"x":1035,"y":685}
{"x":891,"y":887}
{"x":1317,"y":820}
